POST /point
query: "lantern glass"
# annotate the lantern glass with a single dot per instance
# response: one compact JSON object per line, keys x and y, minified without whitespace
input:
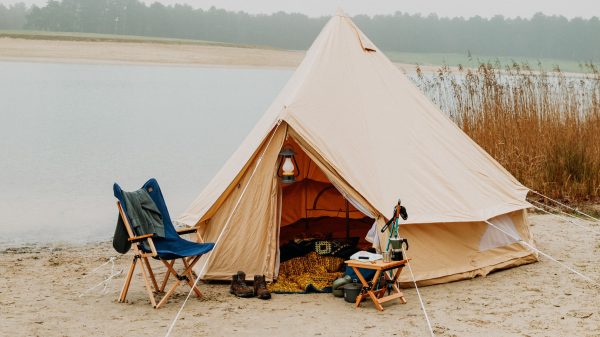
{"x":288,"y":167}
{"x":287,"y":170}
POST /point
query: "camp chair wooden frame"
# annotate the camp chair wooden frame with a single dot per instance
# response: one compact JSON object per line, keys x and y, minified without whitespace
{"x":149,"y":279}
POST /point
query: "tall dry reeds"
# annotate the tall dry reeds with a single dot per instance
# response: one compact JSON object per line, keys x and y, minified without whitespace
{"x":543,"y":127}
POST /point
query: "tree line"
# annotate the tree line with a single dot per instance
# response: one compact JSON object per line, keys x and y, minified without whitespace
{"x":540,"y":36}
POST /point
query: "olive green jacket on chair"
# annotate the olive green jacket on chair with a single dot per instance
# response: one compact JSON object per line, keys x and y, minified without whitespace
{"x":145,"y":216}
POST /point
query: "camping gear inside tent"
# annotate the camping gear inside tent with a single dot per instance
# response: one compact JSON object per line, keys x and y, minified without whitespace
{"x":362,"y":133}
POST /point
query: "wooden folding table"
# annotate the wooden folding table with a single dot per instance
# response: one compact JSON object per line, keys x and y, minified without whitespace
{"x":377,"y":295}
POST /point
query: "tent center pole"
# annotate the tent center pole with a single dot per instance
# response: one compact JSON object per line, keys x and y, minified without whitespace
{"x":347,"y":220}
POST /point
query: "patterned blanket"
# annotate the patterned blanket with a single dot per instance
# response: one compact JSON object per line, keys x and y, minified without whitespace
{"x":309,"y":273}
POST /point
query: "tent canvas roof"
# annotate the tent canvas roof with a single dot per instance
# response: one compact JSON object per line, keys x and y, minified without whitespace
{"x":380,"y":134}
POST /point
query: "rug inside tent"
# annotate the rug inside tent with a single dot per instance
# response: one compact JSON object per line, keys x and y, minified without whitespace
{"x":308,"y":273}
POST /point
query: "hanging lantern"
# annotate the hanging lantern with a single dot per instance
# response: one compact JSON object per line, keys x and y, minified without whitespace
{"x":287,"y":170}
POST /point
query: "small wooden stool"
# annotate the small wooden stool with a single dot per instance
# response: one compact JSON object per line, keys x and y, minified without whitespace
{"x":377,"y":295}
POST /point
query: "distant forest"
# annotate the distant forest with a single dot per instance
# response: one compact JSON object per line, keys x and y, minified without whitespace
{"x":540,"y":36}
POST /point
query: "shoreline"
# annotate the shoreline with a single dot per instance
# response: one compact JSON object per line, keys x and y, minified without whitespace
{"x":140,"y":63}
{"x":108,"y":52}
{"x":156,"y":54}
{"x":153,"y":53}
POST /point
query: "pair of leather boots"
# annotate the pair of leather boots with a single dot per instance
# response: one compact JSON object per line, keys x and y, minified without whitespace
{"x":240,"y":289}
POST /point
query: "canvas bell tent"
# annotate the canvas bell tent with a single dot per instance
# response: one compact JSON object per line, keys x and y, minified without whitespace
{"x":362,"y":133}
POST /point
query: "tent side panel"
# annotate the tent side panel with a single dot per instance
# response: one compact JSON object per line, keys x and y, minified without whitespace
{"x":444,"y":252}
{"x":519,"y":261}
{"x":249,"y":242}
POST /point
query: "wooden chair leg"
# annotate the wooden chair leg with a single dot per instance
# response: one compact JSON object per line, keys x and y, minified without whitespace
{"x":154,"y":284}
{"x":194,"y":288}
{"x":191,"y":279}
{"x":167,"y":274}
{"x":187,"y":272}
{"x":188,"y":265}
{"x":168,"y":294}
{"x":148,"y":287}
{"x":125,"y":288}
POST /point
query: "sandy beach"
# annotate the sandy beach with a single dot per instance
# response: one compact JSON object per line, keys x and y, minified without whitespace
{"x":41,"y":287}
{"x":106,"y":52}
{"x":143,"y":53}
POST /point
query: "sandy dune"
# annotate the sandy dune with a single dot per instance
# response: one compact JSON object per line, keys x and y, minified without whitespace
{"x":40,"y":288}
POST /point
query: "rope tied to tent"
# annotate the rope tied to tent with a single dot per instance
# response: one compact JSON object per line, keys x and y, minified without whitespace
{"x":595,"y":230}
{"x":418,"y":293}
{"x":106,"y":281}
{"x":202,"y":270}
{"x":566,"y":206}
{"x":528,"y":245}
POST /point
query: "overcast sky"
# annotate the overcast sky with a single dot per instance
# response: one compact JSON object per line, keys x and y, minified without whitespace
{"x":451,"y":8}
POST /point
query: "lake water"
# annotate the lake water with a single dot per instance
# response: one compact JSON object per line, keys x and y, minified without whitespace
{"x":68,"y":131}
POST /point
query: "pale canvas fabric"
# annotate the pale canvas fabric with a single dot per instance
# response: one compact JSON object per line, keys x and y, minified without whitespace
{"x":493,"y":238}
{"x":358,"y":123}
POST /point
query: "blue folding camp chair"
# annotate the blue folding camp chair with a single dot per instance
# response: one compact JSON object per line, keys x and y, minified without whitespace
{"x":168,"y":249}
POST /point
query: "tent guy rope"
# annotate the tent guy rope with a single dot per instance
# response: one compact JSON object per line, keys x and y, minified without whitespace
{"x":106,"y":282}
{"x":566,"y":206}
{"x":595,"y":230}
{"x":583,"y":276}
{"x":258,"y":162}
{"x":418,"y":294}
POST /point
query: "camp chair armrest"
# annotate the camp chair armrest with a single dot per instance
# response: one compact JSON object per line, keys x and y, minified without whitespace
{"x":187,"y":230}
{"x":191,"y":230}
{"x":140,"y":238}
